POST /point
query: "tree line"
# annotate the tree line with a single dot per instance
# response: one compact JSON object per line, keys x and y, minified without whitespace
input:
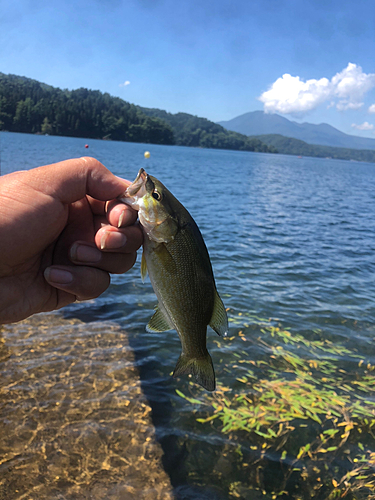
{"x":290,"y":146}
{"x":30,"y":106}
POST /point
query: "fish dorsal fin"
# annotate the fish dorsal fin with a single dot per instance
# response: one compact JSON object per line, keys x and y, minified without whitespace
{"x":159,"y":322}
{"x":219,"y":319}
{"x":143,"y":267}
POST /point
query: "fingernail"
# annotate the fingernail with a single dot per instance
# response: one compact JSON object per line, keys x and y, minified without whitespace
{"x":112,"y":240}
{"x":121,"y":218}
{"x":58,"y":276}
{"x":84,"y":253}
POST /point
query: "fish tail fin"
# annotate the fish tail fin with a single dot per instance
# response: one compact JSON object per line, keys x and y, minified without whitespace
{"x":202,"y":370}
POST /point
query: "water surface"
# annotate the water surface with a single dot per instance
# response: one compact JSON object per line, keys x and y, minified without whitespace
{"x":291,"y":240}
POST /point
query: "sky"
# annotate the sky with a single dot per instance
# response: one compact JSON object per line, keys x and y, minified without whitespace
{"x":308,"y":60}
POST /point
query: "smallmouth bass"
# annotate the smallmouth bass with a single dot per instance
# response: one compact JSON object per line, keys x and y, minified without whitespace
{"x":177,"y":261}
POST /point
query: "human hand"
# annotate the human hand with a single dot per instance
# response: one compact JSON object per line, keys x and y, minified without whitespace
{"x":62,"y":232}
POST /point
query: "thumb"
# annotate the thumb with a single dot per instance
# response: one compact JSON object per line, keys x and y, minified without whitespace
{"x":71,"y":180}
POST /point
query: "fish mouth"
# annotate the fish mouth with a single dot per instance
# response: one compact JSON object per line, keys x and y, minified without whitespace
{"x":136,"y":190}
{"x":138,"y":183}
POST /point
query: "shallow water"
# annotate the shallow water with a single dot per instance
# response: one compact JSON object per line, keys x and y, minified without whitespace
{"x":292,"y":240}
{"x":74,"y":421}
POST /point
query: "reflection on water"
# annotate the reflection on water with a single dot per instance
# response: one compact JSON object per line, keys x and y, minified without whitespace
{"x":74,"y":423}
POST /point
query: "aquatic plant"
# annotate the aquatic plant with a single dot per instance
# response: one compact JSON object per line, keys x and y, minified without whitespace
{"x":307,"y":404}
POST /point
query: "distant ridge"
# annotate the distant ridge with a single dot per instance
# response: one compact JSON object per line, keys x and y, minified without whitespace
{"x":259,"y":123}
{"x":291,"y":146}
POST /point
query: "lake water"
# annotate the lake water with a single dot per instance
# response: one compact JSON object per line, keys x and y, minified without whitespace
{"x":292,"y":243}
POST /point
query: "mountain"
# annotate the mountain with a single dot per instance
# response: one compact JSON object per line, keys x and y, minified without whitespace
{"x":260,"y":123}
{"x":193,"y":131}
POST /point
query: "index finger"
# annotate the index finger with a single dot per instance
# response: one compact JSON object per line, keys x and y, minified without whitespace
{"x":117,"y":213}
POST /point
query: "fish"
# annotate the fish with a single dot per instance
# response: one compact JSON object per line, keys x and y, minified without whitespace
{"x":177,"y":261}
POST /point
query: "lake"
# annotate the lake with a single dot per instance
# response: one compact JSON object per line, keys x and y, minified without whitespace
{"x":292,"y":244}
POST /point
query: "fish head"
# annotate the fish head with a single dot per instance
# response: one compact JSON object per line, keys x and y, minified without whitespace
{"x":151,"y":199}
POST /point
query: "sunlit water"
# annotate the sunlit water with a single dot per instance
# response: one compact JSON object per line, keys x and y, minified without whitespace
{"x":289,"y":238}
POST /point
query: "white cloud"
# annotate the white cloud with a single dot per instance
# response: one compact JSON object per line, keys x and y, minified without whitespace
{"x":371,"y":109}
{"x":344,"y":105}
{"x":125,"y":84}
{"x":289,"y":94}
{"x":352,"y":83}
{"x":364,"y":126}
{"x":345,"y":90}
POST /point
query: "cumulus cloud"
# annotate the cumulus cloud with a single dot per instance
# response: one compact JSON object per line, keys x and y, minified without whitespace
{"x":364,"y":126}
{"x":371,"y":109}
{"x":125,"y":84}
{"x":352,"y":82}
{"x":291,"y":95}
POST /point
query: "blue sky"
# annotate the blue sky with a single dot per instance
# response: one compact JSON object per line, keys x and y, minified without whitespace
{"x":307,"y":60}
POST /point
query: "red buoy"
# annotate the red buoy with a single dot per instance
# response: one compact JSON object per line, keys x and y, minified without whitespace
{"x":86,"y":146}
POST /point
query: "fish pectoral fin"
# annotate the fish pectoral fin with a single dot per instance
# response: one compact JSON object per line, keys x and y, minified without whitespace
{"x":165,"y":258}
{"x":202,"y":370}
{"x":219,"y":319}
{"x":159,"y":322}
{"x":143,"y":267}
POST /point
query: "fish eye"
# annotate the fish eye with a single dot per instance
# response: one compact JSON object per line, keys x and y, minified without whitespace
{"x":156,"y":195}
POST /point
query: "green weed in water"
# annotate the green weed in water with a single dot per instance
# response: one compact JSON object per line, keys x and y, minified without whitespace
{"x":296,"y":405}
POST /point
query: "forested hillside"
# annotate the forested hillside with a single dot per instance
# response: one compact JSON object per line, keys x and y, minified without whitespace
{"x":30,"y":106}
{"x":193,"y":131}
{"x":27,"y":105}
{"x":290,"y":146}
